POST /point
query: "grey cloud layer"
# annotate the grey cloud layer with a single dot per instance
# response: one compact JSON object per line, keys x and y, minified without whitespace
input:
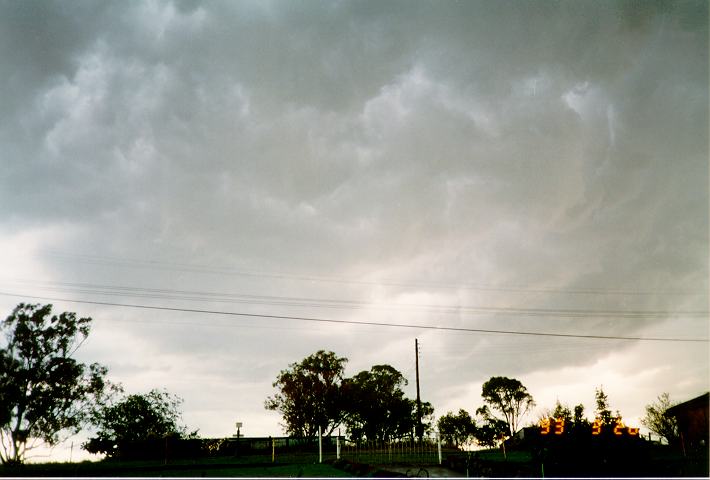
{"x":497,"y":143}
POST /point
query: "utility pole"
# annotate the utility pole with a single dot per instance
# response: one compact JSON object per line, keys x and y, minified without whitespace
{"x":418,"y":427}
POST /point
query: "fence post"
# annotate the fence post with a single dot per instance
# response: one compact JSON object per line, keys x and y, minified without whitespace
{"x":320,"y":445}
{"x":438,"y":441}
{"x":273,"y":450}
{"x":337,"y":446}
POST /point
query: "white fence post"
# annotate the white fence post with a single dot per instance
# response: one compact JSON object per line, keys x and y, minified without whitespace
{"x":320,"y":445}
{"x":438,"y":441}
{"x":337,"y":446}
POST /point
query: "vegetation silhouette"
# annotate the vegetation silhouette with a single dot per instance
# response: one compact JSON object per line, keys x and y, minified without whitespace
{"x":44,"y":391}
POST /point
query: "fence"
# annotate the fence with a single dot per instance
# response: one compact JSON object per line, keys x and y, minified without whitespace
{"x":405,"y":451}
{"x":285,"y":450}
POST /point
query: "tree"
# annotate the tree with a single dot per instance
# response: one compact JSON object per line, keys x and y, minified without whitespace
{"x":44,"y":392}
{"x":560,"y":411}
{"x":151,"y":415}
{"x":563,"y":412}
{"x":579,"y":422}
{"x":579,"y":418}
{"x":657,"y":421}
{"x":508,"y":397}
{"x":376,"y":407}
{"x":603,"y":411}
{"x":309,"y":395}
{"x":457,"y":429}
{"x":490,"y":431}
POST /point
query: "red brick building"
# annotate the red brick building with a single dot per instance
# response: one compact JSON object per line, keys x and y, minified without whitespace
{"x":693,"y":424}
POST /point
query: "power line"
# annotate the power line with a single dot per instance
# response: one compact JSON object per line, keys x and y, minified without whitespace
{"x":369,"y":323}
{"x":169,"y":294}
{"x":158,"y":265}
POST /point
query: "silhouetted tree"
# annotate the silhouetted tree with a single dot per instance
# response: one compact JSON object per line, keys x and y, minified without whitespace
{"x":376,"y":407}
{"x":508,"y":397}
{"x":563,"y":412}
{"x":490,"y":431}
{"x":603,"y":411}
{"x":457,"y":429}
{"x":309,"y":395}
{"x":579,"y":414}
{"x":657,"y":421}
{"x":579,"y":421}
{"x":151,"y":415}
{"x":43,"y":390}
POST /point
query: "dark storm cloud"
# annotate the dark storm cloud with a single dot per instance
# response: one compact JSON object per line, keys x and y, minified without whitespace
{"x":541,"y":145}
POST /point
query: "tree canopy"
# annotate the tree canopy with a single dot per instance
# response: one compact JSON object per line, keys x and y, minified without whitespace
{"x":457,"y":429}
{"x":309,"y":394}
{"x":313,"y":393}
{"x":376,"y":407}
{"x":43,"y":390}
{"x":579,"y":420}
{"x":563,"y":412}
{"x":151,"y":415}
{"x":603,"y":411}
{"x":658,"y":422}
{"x":509,"y":398}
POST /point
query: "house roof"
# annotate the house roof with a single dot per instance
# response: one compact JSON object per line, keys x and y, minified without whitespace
{"x":697,"y":402}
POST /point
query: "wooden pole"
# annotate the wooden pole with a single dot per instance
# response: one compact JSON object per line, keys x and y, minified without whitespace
{"x":438,"y":443}
{"x":419,"y":429}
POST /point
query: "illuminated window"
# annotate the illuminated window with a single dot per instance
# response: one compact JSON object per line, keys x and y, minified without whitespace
{"x":545,"y":426}
{"x":633,"y":431}
{"x":597,"y":427}
{"x":619,"y":427}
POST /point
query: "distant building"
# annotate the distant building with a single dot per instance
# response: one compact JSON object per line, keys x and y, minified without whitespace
{"x":692,"y":417}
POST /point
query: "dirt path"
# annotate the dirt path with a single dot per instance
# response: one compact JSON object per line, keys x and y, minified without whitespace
{"x":434,"y":471}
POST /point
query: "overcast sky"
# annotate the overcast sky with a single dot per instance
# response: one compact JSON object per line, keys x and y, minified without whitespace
{"x":502,"y":165}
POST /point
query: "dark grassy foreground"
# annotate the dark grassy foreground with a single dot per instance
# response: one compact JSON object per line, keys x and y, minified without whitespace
{"x":653,"y":461}
{"x":203,"y":468}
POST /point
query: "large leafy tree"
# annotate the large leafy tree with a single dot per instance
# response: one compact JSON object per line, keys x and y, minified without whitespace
{"x":457,"y":429}
{"x":309,"y":395}
{"x":490,"y":431}
{"x":509,"y":398}
{"x":376,"y":406}
{"x":44,"y":391}
{"x":136,"y":417}
{"x":658,"y":422}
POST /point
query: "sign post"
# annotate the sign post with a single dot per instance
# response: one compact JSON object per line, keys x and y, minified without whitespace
{"x":236,"y":448}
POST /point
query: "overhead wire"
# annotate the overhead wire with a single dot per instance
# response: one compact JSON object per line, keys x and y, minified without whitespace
{"x":188,"y":295}
{"x":162,"y":265}
{"x":368,"y":323}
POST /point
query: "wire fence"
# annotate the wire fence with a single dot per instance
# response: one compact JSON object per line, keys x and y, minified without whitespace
{"x":283,"y":450}
{"x":405,"y":451}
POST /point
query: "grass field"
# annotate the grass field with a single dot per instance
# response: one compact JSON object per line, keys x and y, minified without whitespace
{"x":206,"y":468}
